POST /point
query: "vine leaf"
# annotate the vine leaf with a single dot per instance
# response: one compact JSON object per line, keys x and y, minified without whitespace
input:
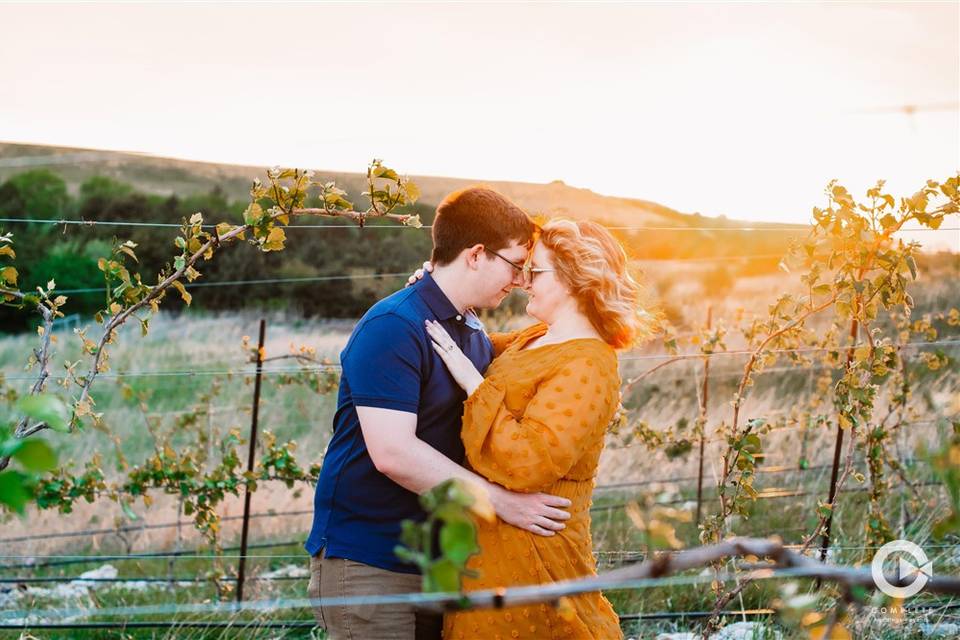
{"x":47,"y":408}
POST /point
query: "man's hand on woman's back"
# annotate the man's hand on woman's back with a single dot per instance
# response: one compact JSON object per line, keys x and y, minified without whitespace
{"x":539,"y":513}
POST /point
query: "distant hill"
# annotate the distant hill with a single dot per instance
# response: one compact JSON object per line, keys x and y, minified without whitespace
{"x":165,"y":176}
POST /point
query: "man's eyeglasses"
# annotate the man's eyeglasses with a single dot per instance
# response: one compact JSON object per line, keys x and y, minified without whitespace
{"x":527,"y":272}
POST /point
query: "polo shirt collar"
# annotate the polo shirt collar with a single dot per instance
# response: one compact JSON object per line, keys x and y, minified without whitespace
{"x":438,"y":302}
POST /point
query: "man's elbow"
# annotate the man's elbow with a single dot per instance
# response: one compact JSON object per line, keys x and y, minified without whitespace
{"x":387,"y":461}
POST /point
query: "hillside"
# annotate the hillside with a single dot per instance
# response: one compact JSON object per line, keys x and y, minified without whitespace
{"x":166,"y":176}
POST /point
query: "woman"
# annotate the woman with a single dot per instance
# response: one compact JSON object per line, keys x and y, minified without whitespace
{"x":536,"y":422}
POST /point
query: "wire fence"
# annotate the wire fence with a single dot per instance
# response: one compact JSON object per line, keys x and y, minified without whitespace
{"x":63,"y":560}
{"x":239,"y":625}
{"x":236,"y":283}
{"x":333,"y":366}
{"x":600,"y":488}
{"x":84,"y":533}
{"x":616,"y":580}
{"x":374,"y":225}
{"x":621,"y":555}
{"x":770,"y":494}
{"x":29,"y":617}
{"x":52,"y":560}
{"x":276,"y":604}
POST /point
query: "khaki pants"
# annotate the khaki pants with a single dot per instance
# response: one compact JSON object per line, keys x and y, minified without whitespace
{"x":339,"y":577}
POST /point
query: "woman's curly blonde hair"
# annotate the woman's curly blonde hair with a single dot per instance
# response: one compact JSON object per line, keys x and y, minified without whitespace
{"x":593,"y":266}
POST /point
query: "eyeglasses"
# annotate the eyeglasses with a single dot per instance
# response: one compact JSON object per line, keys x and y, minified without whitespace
{"x":510,"y":262}
{"x":527,"y":272}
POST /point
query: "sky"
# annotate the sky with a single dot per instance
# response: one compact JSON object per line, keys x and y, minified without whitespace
{"x":740,"y":109}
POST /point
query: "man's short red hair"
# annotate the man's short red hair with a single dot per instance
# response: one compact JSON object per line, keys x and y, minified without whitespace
{"x":477,"y":215}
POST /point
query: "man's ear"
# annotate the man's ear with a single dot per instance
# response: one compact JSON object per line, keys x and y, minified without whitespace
{"x":473,"y":256}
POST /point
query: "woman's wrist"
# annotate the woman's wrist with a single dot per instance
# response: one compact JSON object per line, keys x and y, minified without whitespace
{"x":474,"y":381}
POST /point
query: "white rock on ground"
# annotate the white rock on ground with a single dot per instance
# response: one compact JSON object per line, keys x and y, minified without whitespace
{"x":939,"y":629}
{"x":736,"y":631}
{"x":743,"y":631}
{"x":289,"y":571}
{"x":80,"y":587}
{"x":104,"y":572}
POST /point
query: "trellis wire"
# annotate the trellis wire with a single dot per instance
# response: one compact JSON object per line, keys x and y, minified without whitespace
{"x":380,"y":599}
{"x":369,"y":225}
{"x":572,"y":587}
{"x":326,"y":367}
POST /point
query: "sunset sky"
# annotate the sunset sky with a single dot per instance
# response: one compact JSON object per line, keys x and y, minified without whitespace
{"x":738,"y":109}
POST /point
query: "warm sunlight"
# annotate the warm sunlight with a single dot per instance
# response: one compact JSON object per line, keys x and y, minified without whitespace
{"x":745,"y":110}
{"x":515,"y":320}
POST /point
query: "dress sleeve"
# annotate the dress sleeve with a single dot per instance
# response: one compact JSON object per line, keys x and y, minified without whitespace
{"x":501,"y":341}
{"x":532,"y":451}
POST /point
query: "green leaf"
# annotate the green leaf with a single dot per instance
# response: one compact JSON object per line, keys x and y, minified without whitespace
{"x":253,"y":214}
{"x":407,"y":555}
{"x":35,"y":455}
{"x":47,"y":408}
{"x":128,"y":511}
{"x":13,"y":490}
{"x":442,"y":575}
{"x":451,"y":512}
{"x":385,"y":173}
{"x":824,"y":509}
{"x":458,"y":541}
{"x":410,"y":534}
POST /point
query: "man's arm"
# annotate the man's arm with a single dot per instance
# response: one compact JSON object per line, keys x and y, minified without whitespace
{"x":398,"y":453}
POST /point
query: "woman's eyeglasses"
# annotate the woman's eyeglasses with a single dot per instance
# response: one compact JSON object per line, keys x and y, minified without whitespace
{"x":527,"y":272}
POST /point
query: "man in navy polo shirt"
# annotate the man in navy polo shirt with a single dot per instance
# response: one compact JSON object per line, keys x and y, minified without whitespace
{"x":396,"y":432}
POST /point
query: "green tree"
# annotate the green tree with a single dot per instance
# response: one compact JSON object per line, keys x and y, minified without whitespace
{"x":72,"y":266}
{"x":103,"y":188}
{"x":34,"y":194}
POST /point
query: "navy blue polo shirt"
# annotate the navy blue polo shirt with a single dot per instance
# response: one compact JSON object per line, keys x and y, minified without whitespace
{"x":389,"y":363}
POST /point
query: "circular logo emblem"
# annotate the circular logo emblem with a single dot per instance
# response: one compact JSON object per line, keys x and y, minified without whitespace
{"x":912,"y":563}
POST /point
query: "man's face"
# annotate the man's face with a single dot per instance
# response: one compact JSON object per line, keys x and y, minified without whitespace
{"x":500,"y":273}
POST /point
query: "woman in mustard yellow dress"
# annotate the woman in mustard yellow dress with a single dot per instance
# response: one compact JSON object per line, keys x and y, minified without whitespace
{"x":536,"y":422}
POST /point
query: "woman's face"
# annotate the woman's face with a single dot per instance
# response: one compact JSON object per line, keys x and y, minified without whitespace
{"x":547,"y":295}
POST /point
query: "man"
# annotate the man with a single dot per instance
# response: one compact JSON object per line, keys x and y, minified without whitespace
{"x":397,"y":425}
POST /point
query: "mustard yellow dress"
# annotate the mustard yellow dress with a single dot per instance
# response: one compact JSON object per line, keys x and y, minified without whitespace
{"x":537,"y":423}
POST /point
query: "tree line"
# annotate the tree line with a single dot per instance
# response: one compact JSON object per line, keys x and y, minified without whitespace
{"x":69,"y":254}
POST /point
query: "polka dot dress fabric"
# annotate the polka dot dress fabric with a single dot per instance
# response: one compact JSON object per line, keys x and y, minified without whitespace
{"x":537,"y":423}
